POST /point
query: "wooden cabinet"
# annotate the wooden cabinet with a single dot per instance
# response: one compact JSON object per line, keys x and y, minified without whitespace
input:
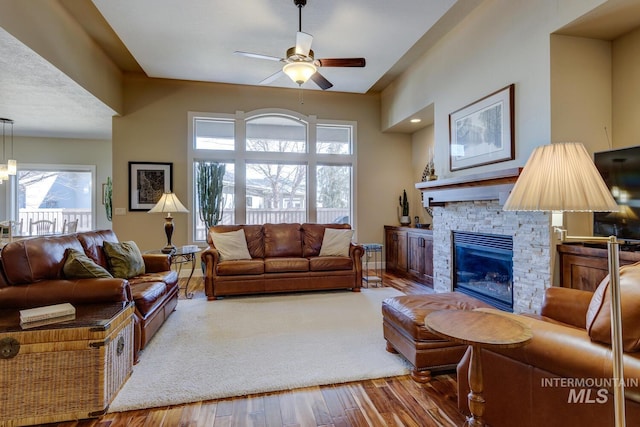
{"x":420,"y":256}
{"x":395,"y":243}
{"x":409,"y":252}
{"x":584,"y":267}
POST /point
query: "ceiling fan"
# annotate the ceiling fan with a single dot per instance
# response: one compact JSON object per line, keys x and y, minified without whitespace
{"x":299,"y":63}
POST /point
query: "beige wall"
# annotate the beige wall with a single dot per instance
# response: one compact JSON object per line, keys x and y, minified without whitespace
{"x":499,"y":43}
{"x":581,"y":102}
{"x":154,"y":128}
{"x":66,"y":152}
{"x":422,"y":144}
{"x":626,"y":87}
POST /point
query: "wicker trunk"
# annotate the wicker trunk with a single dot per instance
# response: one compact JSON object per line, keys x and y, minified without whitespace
{"x":64,"y":371}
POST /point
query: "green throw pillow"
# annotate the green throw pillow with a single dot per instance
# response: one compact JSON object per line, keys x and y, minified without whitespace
{"x":125,"y":259}
{"x":80,"y":266}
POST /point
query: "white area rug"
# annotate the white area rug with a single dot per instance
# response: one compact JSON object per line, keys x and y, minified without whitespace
{"x":245,"y":345}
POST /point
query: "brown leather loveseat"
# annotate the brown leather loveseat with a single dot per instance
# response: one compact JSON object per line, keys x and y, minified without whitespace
{"x":31,"y":275}
{"x":563,"y":377}
{"x":282,"y":258}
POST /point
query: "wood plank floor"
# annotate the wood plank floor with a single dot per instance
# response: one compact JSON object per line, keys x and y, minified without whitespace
{"x":396,"y":401}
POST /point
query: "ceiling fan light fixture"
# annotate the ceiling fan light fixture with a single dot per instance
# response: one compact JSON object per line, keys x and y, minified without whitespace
{"x":299,"y":71}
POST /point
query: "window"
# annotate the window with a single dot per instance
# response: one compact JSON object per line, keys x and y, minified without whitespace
{"x":56,"y":192}
{"x":284,"y":166}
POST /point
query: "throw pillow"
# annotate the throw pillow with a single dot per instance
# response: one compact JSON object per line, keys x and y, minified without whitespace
{"x":336,"y":242}
{"x":599,"y":312}
{"x":79,"y":266}
{"x":124,"y":258}
{"x":231,"y":245}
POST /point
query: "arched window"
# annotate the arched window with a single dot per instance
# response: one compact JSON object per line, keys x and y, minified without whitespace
{"x":284,"y":166}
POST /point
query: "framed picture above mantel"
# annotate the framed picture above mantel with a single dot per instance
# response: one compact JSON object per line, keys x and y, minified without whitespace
{"x":482,"y":132}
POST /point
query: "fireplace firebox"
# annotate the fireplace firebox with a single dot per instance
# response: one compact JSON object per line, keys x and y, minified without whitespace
{"x":483,"y":267}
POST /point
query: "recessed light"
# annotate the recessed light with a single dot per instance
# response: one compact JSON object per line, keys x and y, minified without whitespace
{"x":415,"y":120}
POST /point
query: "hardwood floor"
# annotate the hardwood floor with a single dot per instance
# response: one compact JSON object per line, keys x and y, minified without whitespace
{"x":396,"y":401}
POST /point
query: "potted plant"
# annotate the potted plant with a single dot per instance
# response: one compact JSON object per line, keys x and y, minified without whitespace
{"x":209,"y":186}
{"x":108,"y":193}
{"x":404,"y":205}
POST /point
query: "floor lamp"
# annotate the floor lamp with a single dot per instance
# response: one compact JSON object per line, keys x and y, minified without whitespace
{"x":168,"y":203}
{"x":562,"y":177}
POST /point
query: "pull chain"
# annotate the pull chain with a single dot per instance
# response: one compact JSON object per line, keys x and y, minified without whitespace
{"x":301,"y":95}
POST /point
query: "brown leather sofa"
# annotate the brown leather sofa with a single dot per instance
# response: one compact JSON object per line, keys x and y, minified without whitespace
{"x":31,"y":275}
{"x":284,"y":258}
{"x":546,"y":382}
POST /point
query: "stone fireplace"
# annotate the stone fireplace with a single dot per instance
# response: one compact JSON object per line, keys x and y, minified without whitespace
{"x":474,"y":205}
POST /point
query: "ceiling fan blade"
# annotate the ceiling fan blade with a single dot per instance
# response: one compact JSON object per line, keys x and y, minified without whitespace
{"x":321,"y":81}
{"x":341,"y":62}
{"x":303,"y":43}
{"x":258,"y":56}
{"x":273,"y":77}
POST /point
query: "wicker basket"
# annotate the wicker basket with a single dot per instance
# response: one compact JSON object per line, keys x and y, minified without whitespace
{"x":66,"y":371}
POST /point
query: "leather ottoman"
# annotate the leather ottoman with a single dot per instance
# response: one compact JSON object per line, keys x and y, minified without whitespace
{"x":404,"y":330}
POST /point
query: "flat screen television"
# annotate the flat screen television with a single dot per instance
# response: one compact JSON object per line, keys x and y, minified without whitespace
{"x":621,"y":172}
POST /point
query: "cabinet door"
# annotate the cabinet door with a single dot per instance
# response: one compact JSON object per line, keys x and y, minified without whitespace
{"x":415,"y":244}
{"x":390,"y":250}
{"x":395,"y":250}
{"x":401,"y":238}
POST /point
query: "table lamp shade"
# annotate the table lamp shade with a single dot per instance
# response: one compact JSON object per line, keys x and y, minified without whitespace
{"x":560,"y":177}
{"x":168,"y":203}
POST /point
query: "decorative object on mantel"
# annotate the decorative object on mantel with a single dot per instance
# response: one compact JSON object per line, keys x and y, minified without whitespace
{"x":483,"y":132}
{"x":429,"y":173}
{"x":562,"y":177}
{"x":404,"y":205}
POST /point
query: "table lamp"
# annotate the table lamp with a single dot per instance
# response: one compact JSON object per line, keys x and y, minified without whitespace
{"x":168,"y":203}
{"x":562,"y":177}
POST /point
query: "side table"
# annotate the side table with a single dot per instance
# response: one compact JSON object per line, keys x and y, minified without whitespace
{"x":372,"y":250}
{"x":180,"y":256}
{"x":480,"y":330}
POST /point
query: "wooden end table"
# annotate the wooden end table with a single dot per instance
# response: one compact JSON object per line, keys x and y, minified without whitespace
{"x":479,"y":330}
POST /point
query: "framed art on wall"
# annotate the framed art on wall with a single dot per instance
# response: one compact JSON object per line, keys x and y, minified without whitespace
{"x":147,"y":182}
{"x":483,"y":132}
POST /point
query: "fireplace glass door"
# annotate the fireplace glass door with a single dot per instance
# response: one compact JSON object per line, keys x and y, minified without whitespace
{"x":483,"y":267}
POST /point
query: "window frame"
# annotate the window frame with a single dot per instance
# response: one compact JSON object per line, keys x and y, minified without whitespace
{"x":58,"y":167}
{"x":240,"y":157}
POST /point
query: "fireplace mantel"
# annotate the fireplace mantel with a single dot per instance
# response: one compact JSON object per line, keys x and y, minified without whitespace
{"x":494,"y":185}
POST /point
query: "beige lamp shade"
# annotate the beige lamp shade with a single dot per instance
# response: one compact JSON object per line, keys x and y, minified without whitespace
{"x":561,"y":177}
{"x":168,"y":203}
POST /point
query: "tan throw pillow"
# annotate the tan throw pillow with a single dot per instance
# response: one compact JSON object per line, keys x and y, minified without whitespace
{"x":231,"y":245}
{"x":124,"y":258}
{"x":80,"y":266}
{"x":336,"y":242}
{"x":599,"y":312}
